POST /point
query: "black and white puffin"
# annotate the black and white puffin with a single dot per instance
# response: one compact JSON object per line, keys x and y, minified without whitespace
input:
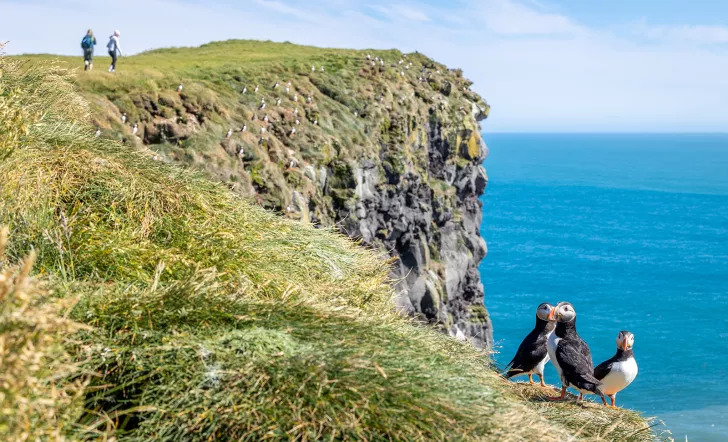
{"x":617,"y":372}
{"x":571,"y":355}
{"x":532,"y":355}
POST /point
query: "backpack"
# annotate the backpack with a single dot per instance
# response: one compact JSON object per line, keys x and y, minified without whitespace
{"x":87,"y":42}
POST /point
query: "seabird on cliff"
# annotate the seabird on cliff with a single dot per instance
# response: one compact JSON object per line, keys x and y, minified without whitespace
{"x":617,"y":372}
{"x":571,"y":355}
{"x":313,"y":68}
{"x":293,"y":132}
{"x":401,"y":61}
{"x":179,"y":88}
{"x":229,"y":133}
{"x":532,"y":355}
{"x":262,"y":130}
{"x":315,"y":122}
{"x":369,"y":57}
{"x":134,"y":129}
{"x":123,"y":118}
{"x":265,"y":118}
{"x":241,"y":152}
{"x":402,"y":73}
{"x":256,"y":88}
{"x":244,"y":128}
{"x":356,"y":113}
{"x":245,"y":89}
{"x":275,"y":86}
{"x":297,"y":121}
{"x":278,"y":102}
{"x":98,"y":132}
{"x":309,"y":99}
{"x":262,"y":104}
{"x":295,"y":98}
{"x":295,"y":111}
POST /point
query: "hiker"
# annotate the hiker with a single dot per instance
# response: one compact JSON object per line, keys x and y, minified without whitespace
{"x":87,"y":44}
{"x":114,"y":50}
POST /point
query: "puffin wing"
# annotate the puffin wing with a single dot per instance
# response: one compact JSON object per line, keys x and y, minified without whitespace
{"x":531,"y":351}
{"x":603,"y":369}
{"x":574,"y":358}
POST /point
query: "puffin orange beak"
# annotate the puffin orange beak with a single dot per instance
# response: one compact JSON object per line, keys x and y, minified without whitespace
{"x":552,"y":314}
{"x":624,"y":345}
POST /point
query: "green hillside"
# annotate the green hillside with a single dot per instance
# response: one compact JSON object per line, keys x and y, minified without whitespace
{"x":163,"y":306}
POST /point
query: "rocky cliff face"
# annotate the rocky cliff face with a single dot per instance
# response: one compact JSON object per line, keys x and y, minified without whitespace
{"x":387,"y":148}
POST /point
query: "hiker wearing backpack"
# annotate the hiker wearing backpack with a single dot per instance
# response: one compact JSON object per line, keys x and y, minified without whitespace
{"x":87,"y":44}
{"x":114,"y":50}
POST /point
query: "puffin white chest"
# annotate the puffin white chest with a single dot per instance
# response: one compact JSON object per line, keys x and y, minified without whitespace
{"x":552,"y":344}
{"x":619,"y":377}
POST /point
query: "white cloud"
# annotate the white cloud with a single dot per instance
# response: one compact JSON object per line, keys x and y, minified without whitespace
{"x":691,"y":34}
{"x":507,"y":17}
{"x":540,"y":70}
{"x":410,"y":13}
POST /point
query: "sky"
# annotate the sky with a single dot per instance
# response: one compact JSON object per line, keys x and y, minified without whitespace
{"x":543,"y":65}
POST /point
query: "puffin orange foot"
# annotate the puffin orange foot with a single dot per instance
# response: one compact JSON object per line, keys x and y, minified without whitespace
{"x":560,"y":398}
{"x":530,"y":379}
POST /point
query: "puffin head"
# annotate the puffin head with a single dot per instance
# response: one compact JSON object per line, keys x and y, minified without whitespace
{"x":563,"y":312}
{"x":625,"y":340}
{"x":543,"y":311}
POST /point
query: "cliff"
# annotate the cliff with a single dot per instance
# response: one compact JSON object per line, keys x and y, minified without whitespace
{"x":387,"y":148}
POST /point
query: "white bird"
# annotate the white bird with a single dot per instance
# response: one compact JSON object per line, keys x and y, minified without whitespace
{"x":293,"y":131}
{"x":295,"y":111}
{"x":256,"y":88}
{"x":374,"y":64}
{"x":295,"y":97}
{"x":313,"y":68}
{"x":315,"y":122}
{"x":369,"y":57}
{"x":262,"y":106}
{"x":297,"y":122}
{"x":289,"y":83}
{"x":98,"y":132}
{"x":322,"y":69}
{"x":401,"y":61}
{"x":229,"y":133}
{"x":123,"y":118}
{"x":381,"y":62}
{"x":262,"y":130}
{"x":245,"y":89}
{"x":179,"y":88}
{"x":278,"y":102}
{"x":402,"y":73}
{"x":241,"y":152}
{"x":265,"y":118}
{"x":134,"y":129}
{"x":275,"y":85}
{"x":288,"y":89}
{"x":308,"y":99}
{"x":155,"y":157}
{"x":245,"y":127}
{"x":407,"y":67}
{"x":356,"y":114}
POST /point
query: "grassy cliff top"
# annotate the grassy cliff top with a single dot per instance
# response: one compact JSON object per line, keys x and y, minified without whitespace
{"x":195,"y":315}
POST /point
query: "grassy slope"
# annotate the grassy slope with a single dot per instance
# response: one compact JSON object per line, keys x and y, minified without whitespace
{"x":215,"y":319}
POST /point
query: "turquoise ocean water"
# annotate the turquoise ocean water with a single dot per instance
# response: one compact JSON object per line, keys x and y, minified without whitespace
{"x":633,"y":230}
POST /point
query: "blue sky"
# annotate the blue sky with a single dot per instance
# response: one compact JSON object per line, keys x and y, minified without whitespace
{"x":543,"y":65}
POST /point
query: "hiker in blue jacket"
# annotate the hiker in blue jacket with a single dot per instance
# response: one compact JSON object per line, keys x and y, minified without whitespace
{"x":87,"y":44}
{"x":114,"y":50}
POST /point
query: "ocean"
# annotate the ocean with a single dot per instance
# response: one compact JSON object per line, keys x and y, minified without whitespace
{"x":632,"y":230}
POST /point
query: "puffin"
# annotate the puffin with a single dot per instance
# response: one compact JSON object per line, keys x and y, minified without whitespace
{"x":256,"y":88}
{"x":123,"y":118}
{"x":134,"y":129}
{"x":97,"y":133}
{"x":229,"y":134}
{"x":571,"y":355}
{"x":278,"y":102}
{"x":245,"y":89}
{"x":179,"y":88}
{"x":617,"y":372}
{"x":295,"y":98}
{"x":293,"y":132}
{"x":244,"y":128}
{"x":532,"y":355}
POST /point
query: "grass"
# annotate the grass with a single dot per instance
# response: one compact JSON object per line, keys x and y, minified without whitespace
{"x":181,"y":312}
